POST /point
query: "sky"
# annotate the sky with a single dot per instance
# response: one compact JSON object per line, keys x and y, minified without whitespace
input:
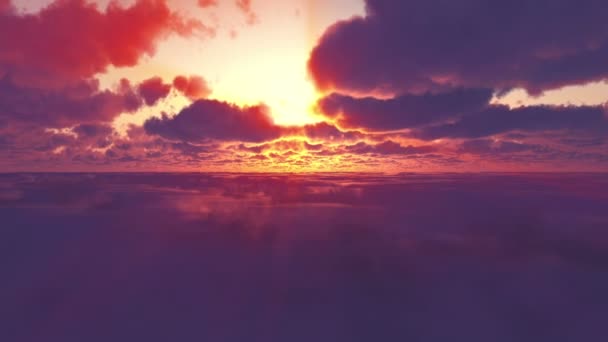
{"x":303,"y":85}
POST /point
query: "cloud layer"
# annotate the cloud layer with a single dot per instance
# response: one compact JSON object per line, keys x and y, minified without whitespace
{"x":330,"y":257}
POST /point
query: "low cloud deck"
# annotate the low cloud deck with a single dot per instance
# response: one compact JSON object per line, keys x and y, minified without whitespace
{"x":359,"y":257}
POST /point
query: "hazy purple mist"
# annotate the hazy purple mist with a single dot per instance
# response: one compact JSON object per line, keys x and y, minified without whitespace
{"x":194,"y":257}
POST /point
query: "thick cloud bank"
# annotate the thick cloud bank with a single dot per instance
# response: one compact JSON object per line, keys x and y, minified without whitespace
{"x":421,"y":45}
{"x":325,"y":258}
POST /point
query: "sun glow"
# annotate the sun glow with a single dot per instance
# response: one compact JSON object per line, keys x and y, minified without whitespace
{"x":294,"y":107}
{"x":277,"y":78}
{"x":291,"y":102}
{"x":245,"y":64}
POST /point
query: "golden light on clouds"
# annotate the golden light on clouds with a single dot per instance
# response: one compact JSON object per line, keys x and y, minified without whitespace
{"x":248,"y":64}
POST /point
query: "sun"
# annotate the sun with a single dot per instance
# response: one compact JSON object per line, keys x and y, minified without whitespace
{"x":294,"y":106}
{"x":289,"y":94}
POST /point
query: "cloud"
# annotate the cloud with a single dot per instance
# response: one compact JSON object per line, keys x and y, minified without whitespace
{"x":418,"y":46}
{"x":85,"y":102}
{"x":288,"y":151}
{"x":193,"y":87}
{"x":488,"y":146}
{"x":434,"y":258}
{"x":49,"y":61}
{"x":280,"y":146}
{"x":153,"y":89}
{"x":502,"y":119}
{"x":246,"y":7}
{"x":416,"y":71}
{"x":92,"y":130}
{"x":431,"y":68}
{"x":20,"y":142}
{"x":5,"y":6}
{"x":404,"y":111}
{"x":78,"y":103}
{"x":207,"y":120}
{"x":71,"y":40}
{"x":388,"y":148}
{"x":207,"y":3}
{"x":326,"y":131}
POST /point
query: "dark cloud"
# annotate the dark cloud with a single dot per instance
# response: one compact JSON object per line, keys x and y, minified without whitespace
{"x":402,"y":112}
{"x":193,"y":87}
{"x":215,"y":120}
{"x":421,"y":45}
{"x":501,"y":119}
{"x":191,"y":149}
{"x":92,"y":130}
{"x":82,"y":102}
{"x":488,"y":146}
{"x":20,"y":142}
{"x":153,"y":89}
{"x":327,"y":131}
{"x":78,"y":103}
{"x":388,"y":148}
{"x":430,"y":68}
{"x":72,"y":39}
{"x":584,"y":142}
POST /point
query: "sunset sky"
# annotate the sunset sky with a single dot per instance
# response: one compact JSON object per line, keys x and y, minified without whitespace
{"x":303,"y":170}
{"x":303,"y":85}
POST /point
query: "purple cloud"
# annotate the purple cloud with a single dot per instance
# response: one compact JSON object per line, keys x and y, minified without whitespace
{"x":488,"y":146}
{"x":207,"y":120}
{"x":388,"y":148}
{"x":502,"y":119}
{"x":403,"y":111}
{"x":153,"y":89}
{"x":79,"y":103}
{"x":421,"y":45}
